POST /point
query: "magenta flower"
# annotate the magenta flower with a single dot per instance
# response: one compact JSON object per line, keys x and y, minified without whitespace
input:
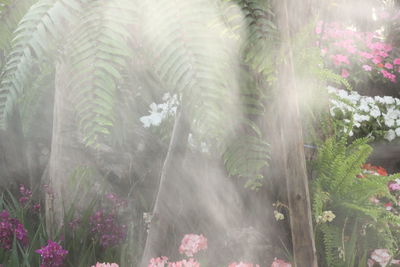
{"x":191,"y":244}
{"x":52,"y":255}
{"x":26,"y":194}
{"x":396,"y":61}
{"x":389,"y":75}
{"x":377,"y":60}
{"x":10,"y":228}
{"x":388,"y":66}
{"x":107,"y":229}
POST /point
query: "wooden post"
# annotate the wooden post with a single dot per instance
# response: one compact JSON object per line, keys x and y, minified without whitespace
{"x":291,"y":138}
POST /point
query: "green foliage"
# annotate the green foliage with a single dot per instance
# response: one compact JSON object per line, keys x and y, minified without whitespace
{"x":83,"y":249}
{"x":252,"y":24}
{"x":98,"y":55}
{"x":35,"y":37}
{"x":360,"y":225}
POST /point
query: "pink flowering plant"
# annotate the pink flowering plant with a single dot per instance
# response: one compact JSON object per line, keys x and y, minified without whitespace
{"x":192,"y":244}
{"x":357,"y":56}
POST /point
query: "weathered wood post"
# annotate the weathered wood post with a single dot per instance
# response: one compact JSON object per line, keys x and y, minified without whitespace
{"x":291,"y":15}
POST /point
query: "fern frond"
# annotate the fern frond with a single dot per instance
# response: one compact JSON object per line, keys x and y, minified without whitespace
{"x":246,"y":158}
{"x":319,"y":201}
{"x":11,"y":13}
{"x":332,"y":242}
{"x":34,"y":37}
{"x":99,"y":54}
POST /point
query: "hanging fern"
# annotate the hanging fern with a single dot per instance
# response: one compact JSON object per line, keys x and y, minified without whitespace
{"x":35,"y":37}
{"x":99,"y":54}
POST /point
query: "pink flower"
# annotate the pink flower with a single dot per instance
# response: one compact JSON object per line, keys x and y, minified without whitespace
{"x":370,"y":263}
{"x":394,"y":187}
{"x":366,"y":55}
{"x":338,"y":59}
{"x":388,"y":66}
{"x":280,"y":263}
{"x":374,"y":200}
{"x":105,"y":265}
{"x":367,"y":67}
{"x":241,"y":264}
{"x":191,"y":244}
{"x":396,"y":61}
{"x":381,"y":256}
{"x":158,"y":262}
{"x":377,"y":59}
{"x":389,"y":75}
{"x":345,"y":73}
{"x":184,"y":263}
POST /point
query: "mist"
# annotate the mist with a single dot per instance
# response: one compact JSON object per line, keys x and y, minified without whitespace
{"x":203,"y":118}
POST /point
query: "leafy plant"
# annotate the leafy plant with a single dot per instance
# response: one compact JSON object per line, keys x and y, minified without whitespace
{"x":348,"y":224}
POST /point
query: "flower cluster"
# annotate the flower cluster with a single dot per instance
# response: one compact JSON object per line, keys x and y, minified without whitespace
{"x":105,"y":265}
{"x":393,"y":186}
{"x":191,"y":244}
{"x":366,"y":116}
{"x":368,"y":169}
{"x":348,"y":51}
{"x":382,"y":257}
{"x":107,"y":229}
{"x":280,"y":263}
{"x":159,"y":112}
{"x":241,"y":264}
{"x":278,"y":216}
{"x":10,"y":228}
{"x":116,"y":201}
{"x":163,"y":261}
{"x":327,"y":216}
{"x":26,"y":194}
{"x":158,"y":262}
{"x":52,"y":255}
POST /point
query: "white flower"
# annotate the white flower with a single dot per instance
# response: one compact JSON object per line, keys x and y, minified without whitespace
{"x":328,"y":216}
{"x":390,"y":135}
{"x":364,"y":106}
{"x":388,"y":100}
{"x":397,"y":131}
{"x":360,"y":118}
{"x":389,"y":122}
{"x":369,"y":100}
{"x":342,"y":93}
{"x":380,"y":100}
{"x":375,"y":112}
{"x":278,"y":216}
